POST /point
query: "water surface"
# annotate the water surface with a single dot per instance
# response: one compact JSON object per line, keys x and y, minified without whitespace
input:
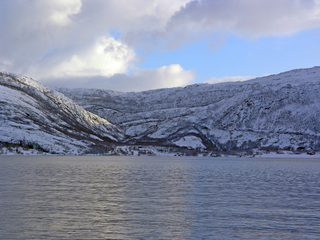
{"x":159,"y":198}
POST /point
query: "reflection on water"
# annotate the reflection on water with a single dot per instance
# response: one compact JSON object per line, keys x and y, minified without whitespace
{"x":158,"y":198}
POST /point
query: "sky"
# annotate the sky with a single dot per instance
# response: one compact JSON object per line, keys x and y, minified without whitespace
{"x":135,"y":45}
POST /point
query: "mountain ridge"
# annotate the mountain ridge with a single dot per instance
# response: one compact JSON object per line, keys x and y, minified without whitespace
{"x":271,"y":113}
{"x":34,"y":115}
{"x":220,"y":117}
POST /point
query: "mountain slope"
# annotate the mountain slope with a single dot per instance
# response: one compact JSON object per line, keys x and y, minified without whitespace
{"x":33,"y":116}
{"x":274,"y":112}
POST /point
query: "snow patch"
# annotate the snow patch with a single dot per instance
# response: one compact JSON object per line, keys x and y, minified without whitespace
{"x":190,"y":141}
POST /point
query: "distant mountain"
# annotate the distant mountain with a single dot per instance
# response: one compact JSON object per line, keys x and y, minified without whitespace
{"x":275,"y":112}
{"x":35,"y":118}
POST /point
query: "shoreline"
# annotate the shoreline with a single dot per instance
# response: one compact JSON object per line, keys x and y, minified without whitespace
{"x":274,"y":155}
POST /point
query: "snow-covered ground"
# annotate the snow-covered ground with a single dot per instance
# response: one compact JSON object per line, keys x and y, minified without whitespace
{"x":276,"y":112}
{"x":288,"y":155}
{"x":43,"y":120}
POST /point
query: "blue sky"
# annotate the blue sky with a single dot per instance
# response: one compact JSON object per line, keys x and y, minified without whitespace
{"x":242,"y":56}
{"x":134,"y":45}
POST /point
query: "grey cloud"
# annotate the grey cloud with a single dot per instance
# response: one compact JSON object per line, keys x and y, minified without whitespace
{"x":245,"y":18}
{"x":164,"y":77}
{"x":36,"y":33}
{"x":248,"y":17}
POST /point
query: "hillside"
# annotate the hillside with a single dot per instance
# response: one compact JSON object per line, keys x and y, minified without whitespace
{"x":278,"y":112}
{"x":36,"y":119}
{"x":274,"y":112}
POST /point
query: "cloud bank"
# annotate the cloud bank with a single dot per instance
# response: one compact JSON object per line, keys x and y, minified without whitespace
{"x":253,"y":18}
{"x":244,"y":18}
{"x":144,"y":79}
{"x":100,"y":39}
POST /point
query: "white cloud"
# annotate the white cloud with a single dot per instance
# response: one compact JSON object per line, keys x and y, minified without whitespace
{"x":106,"y":57}
{"x":46,"y":38}
{"x":164,"y":77}
{"x":144,"y":79}
{"x":69,"y":41}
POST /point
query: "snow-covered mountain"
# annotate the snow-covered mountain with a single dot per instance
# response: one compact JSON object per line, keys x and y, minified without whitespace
{"x":33,"y":117}
{"x":275,"y":112}
{"x":278,"y":112}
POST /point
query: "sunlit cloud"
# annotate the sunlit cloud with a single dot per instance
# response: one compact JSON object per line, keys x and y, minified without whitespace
{"x":106,"y":57}
{"x":143,"y":79}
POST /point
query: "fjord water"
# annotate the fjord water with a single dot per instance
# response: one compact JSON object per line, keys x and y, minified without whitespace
{"x":93,"y":197}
